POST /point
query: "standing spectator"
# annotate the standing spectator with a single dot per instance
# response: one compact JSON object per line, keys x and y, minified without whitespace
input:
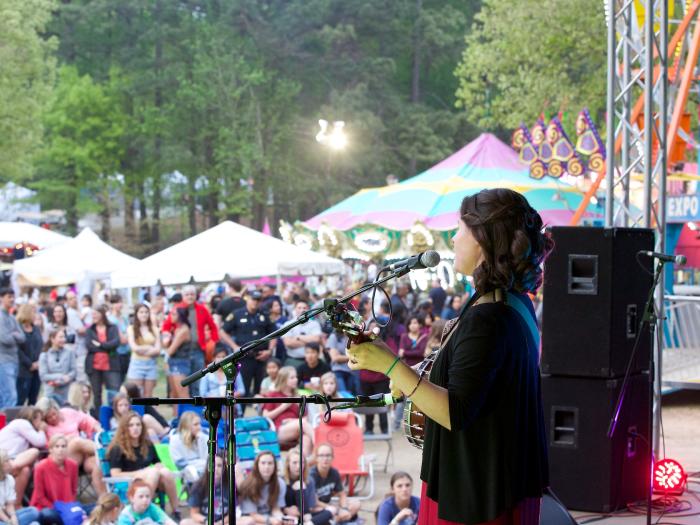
{"x":119,"y":319}
{"x":400,"y":507}
{"x":102,"y":363}
{"x":197,"y":317}
{"x":188,"y":446}
{"x":28,"y":381}
{"x":74,"y":319}
{"x":437,"y":295}
{"x":141,"y":510}
{"x":246,"y":325}
{"x":86,"y":310}
{"x":11,"y":336}
{"x":178,"y":346}
{"x":8,"y":496}
{"x":55,"y":479}
{"x":144,"y":341}
{"x":294,"y":476}
{"x":234,"y":301}
{"x":285,"y":416}
{"x":132,"y":455}
{"x":57,"y":367}
{"x":297,"y":338}
{"x":311,"y":370}
{"x":348,"y":380}
{"x":328,"y":485}
{"x":412,"y":343}
{"x":59,"y":320}
{"x":453,"y":307}
{"x":275,"y":311}
{"x":262,"y":491}
{"x":22,"y":438}
{"x":158,"y":311}
{"x":80,"y":397}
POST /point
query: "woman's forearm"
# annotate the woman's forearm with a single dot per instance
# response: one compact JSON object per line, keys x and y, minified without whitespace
{"x":432,"y":400}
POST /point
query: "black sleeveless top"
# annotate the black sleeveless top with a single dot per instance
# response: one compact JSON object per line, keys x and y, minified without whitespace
{"x":496,"y":453}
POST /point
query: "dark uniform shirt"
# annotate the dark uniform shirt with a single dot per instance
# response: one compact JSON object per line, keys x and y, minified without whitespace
{"x":244,"y":327}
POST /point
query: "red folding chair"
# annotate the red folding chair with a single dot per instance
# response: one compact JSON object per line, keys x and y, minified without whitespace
{"x":344,"y":433}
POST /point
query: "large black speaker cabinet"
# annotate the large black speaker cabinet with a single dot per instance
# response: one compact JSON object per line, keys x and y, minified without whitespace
{"x":589,"y":471}
{"x":594,"y":293}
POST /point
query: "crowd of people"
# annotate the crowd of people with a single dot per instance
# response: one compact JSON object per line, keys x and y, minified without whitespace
{"x":77,"y":356}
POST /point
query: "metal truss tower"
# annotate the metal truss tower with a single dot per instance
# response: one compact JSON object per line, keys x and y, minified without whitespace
{"x":637,"y":124}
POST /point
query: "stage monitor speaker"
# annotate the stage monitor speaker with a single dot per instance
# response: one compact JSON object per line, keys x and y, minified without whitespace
{"x":588,"y":470}
{"x":594,"y":293}
{"x":553,"y":511}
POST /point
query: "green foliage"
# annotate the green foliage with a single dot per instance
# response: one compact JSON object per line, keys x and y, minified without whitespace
{"x":26,"y":75}
{"x":530,"y":56}
{"x":85,"y":126}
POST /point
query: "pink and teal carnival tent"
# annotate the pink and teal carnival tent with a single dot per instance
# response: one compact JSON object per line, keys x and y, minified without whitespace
{"x":421,"y":212}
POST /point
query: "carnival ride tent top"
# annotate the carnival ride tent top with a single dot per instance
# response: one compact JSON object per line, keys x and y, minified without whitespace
{"x":434,"y":196}
{"x":12,"y":233}
{"x":85,"y":257}
{"x":226,"y":250}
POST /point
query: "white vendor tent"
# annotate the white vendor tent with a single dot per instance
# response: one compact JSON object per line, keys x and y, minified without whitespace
{"x":84,"y":258}
{"x":12,"y":233}
{"x":226,"y":250}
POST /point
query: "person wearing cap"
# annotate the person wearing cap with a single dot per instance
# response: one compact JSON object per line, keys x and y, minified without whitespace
{"x":199,"y":318}
{"x":245,"y":325}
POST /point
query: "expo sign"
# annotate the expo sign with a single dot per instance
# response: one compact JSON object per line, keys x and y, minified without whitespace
{"x":683,"y":208}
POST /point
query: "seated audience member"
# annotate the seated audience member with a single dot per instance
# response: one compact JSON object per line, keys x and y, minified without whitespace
{"x":400,"y":507}
{"x":214,"y":385}
{"x":262,"y":491}
{"x":69,"y":423}
{"x":9,"y":514}
{"x":132,"y":455}
{"x":55,"y":479}
{"x":188,"y":446}
{"x":272,"y":367}
{"x":311,"y":370}
{"x":286,"y":415}
{"x":329,"y":388}
{"x":328,"y":485}
{"x":22,"y":438}
{"x":141,"y":509}
{"x":313,"y":512}
{"x":80,"y":397}
{"x":106,"y":511}
{"x":57,"y":367}
{"x":199,"y":498}
{"x":133,"y":391}
{"x":122,"y":406}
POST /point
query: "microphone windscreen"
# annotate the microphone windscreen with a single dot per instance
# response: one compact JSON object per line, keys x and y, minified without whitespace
{"x":430,"y":259}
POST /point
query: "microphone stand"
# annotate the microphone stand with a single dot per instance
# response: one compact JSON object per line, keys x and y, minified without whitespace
{"x":650,"y":318}
{"x":230,"y":365}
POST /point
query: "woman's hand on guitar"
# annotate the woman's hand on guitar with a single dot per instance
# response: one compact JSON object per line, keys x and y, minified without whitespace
{"x":375,"y":356}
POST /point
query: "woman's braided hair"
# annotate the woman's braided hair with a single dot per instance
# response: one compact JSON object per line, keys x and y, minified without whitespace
{"x":510,"y":233}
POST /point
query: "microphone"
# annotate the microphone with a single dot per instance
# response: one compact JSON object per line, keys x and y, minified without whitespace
{"x":427,"y":259}
{"x":375,"y":400}
{"x":665,"y":257}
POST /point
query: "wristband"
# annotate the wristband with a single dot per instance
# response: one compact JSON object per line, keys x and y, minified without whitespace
{"x":392,"y":366}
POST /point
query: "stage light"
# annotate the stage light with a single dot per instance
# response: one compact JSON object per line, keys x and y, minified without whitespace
{"x":669,"y":477}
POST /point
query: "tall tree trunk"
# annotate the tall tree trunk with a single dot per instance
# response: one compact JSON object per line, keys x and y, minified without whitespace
{"x":415,"y":73}
{"x":143,"y":213}
{"x":260,"y":187}
{"x":158,"y":103}
{"x":105,"y":215}
{"x":72,"y":205}
{"x":157,"y":201}
{"x":191,"y":204}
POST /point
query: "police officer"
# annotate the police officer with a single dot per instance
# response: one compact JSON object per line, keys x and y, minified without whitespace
{"x":245,"y":325}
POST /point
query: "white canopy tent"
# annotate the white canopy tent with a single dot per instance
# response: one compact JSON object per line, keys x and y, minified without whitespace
{"x":226,"y":250}
{"x":12,"y":233}
{"x":84,"y":258}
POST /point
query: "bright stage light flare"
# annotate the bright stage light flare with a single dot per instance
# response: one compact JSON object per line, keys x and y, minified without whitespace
{"x":669,"y":477}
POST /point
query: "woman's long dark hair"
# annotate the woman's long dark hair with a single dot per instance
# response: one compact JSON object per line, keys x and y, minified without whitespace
{"x":137,"y":324}
{"x":102,"y":309}
{"x":252,"y":485}
{"x":510,"y":233}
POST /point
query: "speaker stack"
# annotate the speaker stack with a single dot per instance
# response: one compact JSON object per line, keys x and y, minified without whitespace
{"x":594,"y":295}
